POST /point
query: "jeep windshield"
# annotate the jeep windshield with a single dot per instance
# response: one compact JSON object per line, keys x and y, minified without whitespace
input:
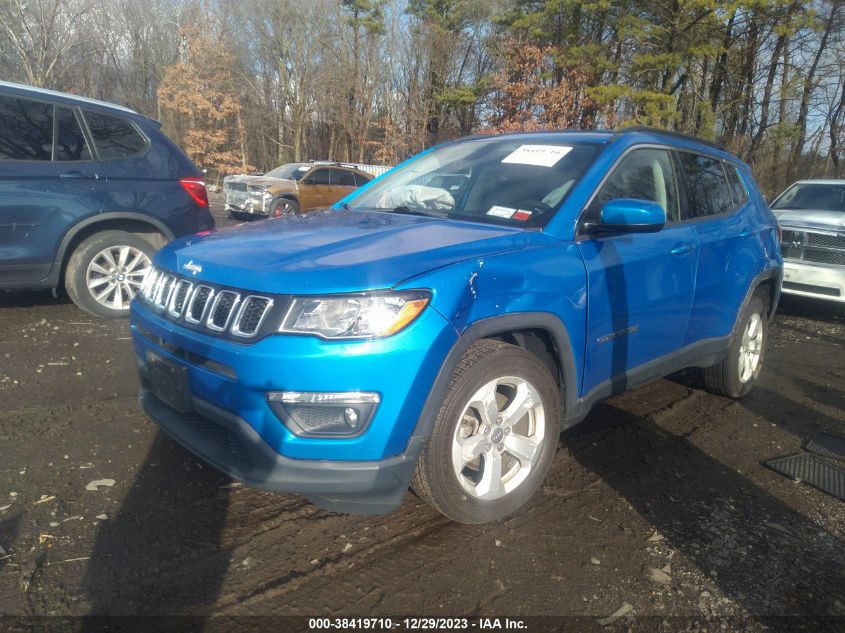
{"x":497,"y":180}
{"x":291,"y":171}
{"x":812,"y":197}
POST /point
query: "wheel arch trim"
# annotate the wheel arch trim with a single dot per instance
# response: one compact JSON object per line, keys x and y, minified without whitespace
{"x":491,"y":327}
{"x":93,"y":220}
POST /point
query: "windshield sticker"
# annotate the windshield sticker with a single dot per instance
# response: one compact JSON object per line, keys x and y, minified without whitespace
{"x":501,"y":212}
{"x":304,"y":168}
{"x":522,"y":215}
{"x":540,"y":155}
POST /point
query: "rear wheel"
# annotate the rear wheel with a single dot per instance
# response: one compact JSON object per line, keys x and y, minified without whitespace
{"x":106,"y":270}
{"x":283,"y":207}
{"x":736,"y":374}
{"x":494,"y":437}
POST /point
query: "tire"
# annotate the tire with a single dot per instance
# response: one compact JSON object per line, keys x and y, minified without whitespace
{"x":111,"y":260}
{"x":455,"y":471}
{"x":736,"y":374}
{"x":282,"y":207}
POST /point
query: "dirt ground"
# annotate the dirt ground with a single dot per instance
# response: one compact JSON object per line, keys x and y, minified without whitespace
{"x":658,"y":501}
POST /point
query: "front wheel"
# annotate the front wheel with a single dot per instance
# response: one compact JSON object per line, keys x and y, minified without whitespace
{"x":283,"y":208}
{"x":494,"y":437}
{"x":736,"y":374}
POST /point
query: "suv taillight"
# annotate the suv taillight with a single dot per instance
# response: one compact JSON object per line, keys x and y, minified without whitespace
{"x":196,"y":189}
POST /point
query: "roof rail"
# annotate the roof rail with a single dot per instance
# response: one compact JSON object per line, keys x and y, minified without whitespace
{"x":686,"y":137}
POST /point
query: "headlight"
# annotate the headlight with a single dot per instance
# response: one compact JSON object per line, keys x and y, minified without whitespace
{"x":352,"y":316}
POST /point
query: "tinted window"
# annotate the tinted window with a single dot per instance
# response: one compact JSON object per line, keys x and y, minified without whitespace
{"x":114,"y":137}
{"x":360,"y":180}
{"x":26,"y":129}
{"x":70,"y":142}
{"x":644,"y":174}
{"x":319,"y":177}
{"x":707,"y":188}
{"x":343,"y":178}
{"x":740,"y":194}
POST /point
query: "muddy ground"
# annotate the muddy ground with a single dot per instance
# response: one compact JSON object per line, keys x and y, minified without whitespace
{"x":658,"y":501}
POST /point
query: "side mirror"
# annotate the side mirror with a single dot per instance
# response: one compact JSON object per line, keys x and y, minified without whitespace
{"x":311,"y":181}
{"x":629,"y":215}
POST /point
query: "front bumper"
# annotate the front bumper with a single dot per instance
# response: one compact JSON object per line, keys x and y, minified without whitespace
{"x":230,"y":423}
{"x":814,"y":280}
{"x":230,"y":444}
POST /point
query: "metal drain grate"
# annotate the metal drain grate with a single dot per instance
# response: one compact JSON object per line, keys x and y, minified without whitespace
{"x":827,"y":445}
{"x":818,"y":472}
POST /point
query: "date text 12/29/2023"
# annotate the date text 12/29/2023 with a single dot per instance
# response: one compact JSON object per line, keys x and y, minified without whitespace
{"x":417,"y":624}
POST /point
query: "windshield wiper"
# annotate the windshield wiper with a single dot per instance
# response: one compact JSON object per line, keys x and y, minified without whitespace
{"x":402,"y":209}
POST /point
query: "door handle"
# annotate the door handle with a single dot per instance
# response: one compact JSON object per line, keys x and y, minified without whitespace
{"x":681,"y":249}
{"x":78,"y":175}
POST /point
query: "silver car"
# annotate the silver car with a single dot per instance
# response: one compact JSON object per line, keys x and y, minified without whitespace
{"x":811,"y":215}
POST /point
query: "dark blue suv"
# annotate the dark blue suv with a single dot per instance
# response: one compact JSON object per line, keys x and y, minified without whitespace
{"x":440,"y":326}
{"x":88,"y":192}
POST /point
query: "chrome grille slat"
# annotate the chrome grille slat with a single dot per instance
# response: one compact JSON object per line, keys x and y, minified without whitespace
{"x":162,"y":296}
{"x":222,"y":310}
{"x":251,"y":316}
{"x":199,"y":304}
{"x":179,"y":298}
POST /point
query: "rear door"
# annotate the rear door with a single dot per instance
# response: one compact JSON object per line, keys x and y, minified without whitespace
{"x":716,"y":208}
{"x":48,"y":182}
{"x":343,"y":183}
{"x":640,"y":285}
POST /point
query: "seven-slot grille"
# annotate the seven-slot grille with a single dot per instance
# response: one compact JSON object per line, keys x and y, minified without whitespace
{"x":809,"y":246}
{"x":200,"y":305}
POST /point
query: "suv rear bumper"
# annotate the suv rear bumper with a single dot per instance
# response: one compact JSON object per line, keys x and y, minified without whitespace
{"x":230,"y":444}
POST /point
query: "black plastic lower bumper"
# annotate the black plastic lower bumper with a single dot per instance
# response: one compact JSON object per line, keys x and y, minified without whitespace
{"x":233,"y":446}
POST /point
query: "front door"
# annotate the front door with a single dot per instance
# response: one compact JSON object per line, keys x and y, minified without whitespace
{"x":316,"y":189}
{"x":640,"y":285}
{"x":48,"y":181}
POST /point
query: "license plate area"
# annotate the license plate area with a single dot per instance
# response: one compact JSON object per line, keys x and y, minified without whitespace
{"x":168,"y":382}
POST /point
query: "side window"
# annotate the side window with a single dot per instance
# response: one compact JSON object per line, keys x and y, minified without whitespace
{"x":343,"y":178}
{"x":70,"y":142}
{"x":319,"y":177}
{"x":708,"y":192}
{"x":360,"y":180}
{"x":26,"y":129}
{"x":740,"y":194}
{"x":113,"y":136}
{"x":645,"y":174}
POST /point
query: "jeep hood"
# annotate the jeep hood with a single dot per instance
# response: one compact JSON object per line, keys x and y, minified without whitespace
{"x":822,"y":220}
{"x":336,"y":251}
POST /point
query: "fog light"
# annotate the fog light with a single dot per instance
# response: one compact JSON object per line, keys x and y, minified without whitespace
{"x":324,"y":414}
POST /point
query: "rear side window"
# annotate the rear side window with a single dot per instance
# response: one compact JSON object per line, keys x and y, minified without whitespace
{"x":708,"y":192}
{"x":740,"y":194}
{"x":360,"y":180}
{"x":70,"y":142}
{"x":26,"y":129}
{"x":114,"y":137}
{"x":343,"y":178}
{"x":644,"y":174}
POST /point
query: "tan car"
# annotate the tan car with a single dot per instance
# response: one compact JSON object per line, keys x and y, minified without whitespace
{"x":291,"y":189}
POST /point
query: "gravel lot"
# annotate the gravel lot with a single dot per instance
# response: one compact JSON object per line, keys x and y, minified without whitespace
{"x":658,"y":500}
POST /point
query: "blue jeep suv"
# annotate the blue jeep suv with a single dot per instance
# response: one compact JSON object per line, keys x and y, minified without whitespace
{"x":439,"y":327}
{"x":88,"y":192}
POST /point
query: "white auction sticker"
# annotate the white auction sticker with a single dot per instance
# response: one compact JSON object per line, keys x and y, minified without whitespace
{"x":304,"y":168}
{"x":540,"y":155}
{"x":501,"y":212}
